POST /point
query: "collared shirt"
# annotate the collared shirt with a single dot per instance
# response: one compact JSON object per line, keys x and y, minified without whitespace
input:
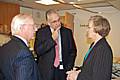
{"x":24,"y":40}
{"x":60,"y":47}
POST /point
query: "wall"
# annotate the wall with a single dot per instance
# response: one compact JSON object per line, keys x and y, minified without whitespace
{"x":39,"y":16}
{"x":80,"y":18}
{"x":4,"y":39}
{"x":6,"y":16}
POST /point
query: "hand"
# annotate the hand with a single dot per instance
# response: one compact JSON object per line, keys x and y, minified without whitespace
{"x":72,"y":75}
{"x":55,"y":33}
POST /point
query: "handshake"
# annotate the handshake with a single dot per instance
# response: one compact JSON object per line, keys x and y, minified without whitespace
{"x":72,"y":75}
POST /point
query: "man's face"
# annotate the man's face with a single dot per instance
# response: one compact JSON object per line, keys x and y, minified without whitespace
{"x":54,"y":21}
{"x":30,"y":29}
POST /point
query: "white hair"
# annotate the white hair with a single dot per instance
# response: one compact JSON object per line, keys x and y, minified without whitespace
{"x":18,"y":21}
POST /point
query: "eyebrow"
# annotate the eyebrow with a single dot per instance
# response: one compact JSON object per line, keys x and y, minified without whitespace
{"x":55,"y":20}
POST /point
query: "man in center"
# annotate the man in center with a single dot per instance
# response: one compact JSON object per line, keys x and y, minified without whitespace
{"x":55,"y":47}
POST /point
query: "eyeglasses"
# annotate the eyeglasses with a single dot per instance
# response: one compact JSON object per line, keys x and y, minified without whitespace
{"x":34,"y":26}
{"x":54,"y":21}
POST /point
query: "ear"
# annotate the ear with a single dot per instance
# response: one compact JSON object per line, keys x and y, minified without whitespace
{"x":22,"y":28}
{"x":48,"y":23}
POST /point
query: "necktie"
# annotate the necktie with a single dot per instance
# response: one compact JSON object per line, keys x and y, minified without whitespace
{"x":57,"y":62}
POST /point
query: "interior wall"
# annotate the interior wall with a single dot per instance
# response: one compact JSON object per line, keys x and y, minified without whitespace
{"x":38,"y":15}
{"x":4,"y":39}
{"x":81,"y":18}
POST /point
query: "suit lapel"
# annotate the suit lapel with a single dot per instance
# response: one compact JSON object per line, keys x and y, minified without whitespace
{"x":91,"y":54}
{"x":48,"y":30}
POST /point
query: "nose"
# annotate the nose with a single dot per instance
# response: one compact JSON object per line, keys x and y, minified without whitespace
{"x":58,"y":23}
{"x":35,"y":28}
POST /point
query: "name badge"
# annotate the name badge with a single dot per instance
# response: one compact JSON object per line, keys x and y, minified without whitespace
{"x":61,"y":67}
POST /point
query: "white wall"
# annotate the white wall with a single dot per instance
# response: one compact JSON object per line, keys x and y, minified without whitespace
{"x":39,"y":16}
{"x":81,"y":17}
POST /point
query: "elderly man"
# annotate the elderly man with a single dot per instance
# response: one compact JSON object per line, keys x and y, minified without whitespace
{"x":55,"y":47}
{"x":16,"y":61}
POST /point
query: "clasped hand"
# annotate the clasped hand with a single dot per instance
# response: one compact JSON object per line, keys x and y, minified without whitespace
{"x":72,"y":75}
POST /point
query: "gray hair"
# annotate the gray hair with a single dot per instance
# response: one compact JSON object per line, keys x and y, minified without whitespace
{"x":49,"y":12}
{"x":101,"y":25}
{"x":18,"y":21}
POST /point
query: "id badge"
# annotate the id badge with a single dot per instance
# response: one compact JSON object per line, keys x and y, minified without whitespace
{"x":61,"y":67}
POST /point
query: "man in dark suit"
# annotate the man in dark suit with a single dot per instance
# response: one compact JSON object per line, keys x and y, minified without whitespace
{"x":45,"y":47}
{"x":97,"y":63}
{"x":16,"y":60}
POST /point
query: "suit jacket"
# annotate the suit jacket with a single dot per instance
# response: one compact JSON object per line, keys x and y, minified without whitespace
{"x":98,"y":65}
{"x":17,"y":62}
{"x":45,"y":48}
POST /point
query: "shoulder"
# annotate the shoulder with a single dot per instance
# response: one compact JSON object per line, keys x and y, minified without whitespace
{"x":16,"y":44}
{"x":65,"y":29}
{"x":103,"y":43}
{"x":43,"y":28}
{"x":103,"y":47}
{"x":15,"y":48}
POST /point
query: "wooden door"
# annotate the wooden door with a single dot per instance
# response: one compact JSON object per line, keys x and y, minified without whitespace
{"x":7,"y":12}
{"x":68,"y":20}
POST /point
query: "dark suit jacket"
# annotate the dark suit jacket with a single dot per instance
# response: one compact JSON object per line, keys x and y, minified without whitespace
{"x":45,"y":48}
{"x":98,"y":65}
{"x":17,"y":62}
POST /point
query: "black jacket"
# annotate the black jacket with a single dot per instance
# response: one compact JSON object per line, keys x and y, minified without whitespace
{"x":98,"y":65}
{"x":45,"y":48}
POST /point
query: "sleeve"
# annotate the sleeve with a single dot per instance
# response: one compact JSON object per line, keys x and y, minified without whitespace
{"x":43,"y":43}
{"x":71,"y":51}
{"x":102,"y":68}
{"x":1,"y":75}
{"x":24,"y":67}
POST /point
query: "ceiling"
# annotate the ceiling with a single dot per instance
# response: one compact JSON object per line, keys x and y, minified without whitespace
{"x":82,"y":4}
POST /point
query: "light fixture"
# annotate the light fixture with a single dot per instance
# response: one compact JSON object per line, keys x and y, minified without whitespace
{"x":47,"y":2}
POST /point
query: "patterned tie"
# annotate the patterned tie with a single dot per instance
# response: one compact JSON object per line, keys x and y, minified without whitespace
{"x":57,"y":62}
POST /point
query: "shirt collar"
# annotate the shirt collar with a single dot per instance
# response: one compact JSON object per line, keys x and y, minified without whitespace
{"x":52,"y":30}
{"x":24,"y":40}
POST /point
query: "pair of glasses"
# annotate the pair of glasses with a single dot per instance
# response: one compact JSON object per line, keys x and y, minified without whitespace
{"x":54,"y":21}
{"x":34,"y":26}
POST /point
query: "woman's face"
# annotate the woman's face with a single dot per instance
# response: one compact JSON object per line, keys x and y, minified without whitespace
{"x":90,"y":31}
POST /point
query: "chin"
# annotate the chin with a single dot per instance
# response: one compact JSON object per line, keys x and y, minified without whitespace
{"x":32,"y":37}
{"x":89,"y":40}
